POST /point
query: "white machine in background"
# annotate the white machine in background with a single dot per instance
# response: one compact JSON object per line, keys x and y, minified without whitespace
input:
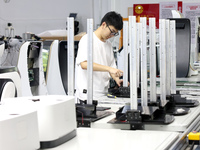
{"x":53,"y":75}
{"x":18,"y":128}
{"x":59,"y":69}
{"x":30,"y":67}
{"x":197,"y":63}
{"x":10,"y":82}
{"x":11,"y":52}
{"x":56,"y":117}
{"x":2,"y":47}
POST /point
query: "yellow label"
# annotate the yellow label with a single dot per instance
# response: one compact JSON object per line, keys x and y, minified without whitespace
{"x":194,"y":136}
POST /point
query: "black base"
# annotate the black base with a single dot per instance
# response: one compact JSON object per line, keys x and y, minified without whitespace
{"x":57,"y":142}
{"x":87,"y":113}
{"x":182,"y":102}
{"x":86,"y":122}
{"x":173,"y":109}
{"x":137,"y":118}
{"x":85,"y":110}
{"x":169,"y":108}
{"x":179,"y":101}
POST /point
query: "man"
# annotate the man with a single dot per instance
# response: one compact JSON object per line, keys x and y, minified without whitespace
{"x":104,"y":65}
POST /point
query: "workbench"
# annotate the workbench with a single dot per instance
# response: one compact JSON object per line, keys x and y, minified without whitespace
{"x":115,"y":139}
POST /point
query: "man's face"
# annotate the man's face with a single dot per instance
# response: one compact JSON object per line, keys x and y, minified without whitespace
{"x":109,"y":31}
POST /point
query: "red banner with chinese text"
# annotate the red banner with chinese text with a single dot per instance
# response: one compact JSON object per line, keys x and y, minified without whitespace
{"x":146,"y":10}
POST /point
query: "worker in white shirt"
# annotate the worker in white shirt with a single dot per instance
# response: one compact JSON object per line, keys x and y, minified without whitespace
{"x":104,"y":66}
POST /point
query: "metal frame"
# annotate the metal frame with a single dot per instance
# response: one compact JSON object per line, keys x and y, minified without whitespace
{"x":125,"y":50}
{"x":90,"y":61}
{"x":133,"y":62}
{"x":168,"y":53}
{"x":152,"y":45}
{"x":162,"y":39}
{"x":173,"y":55}
{"x":144,"y":97}
{"x":70,"y":47}
{"x":138,"y":46}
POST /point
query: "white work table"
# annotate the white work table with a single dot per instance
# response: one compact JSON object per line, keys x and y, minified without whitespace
{"x":181,"y":123}
{"x":113,"y":139}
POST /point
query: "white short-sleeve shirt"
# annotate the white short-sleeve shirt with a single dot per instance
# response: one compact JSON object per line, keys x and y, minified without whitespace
{"x":102,"y":54}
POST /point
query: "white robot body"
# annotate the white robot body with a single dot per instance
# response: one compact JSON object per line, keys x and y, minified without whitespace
{"x":18,"y":128}
{"x":24,"y":66}
{"x":56,"y":117}
{"x":53,"y":77}
{"x":10,"y":73}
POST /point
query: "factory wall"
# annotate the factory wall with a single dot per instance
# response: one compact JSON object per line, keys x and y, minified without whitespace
{"x":36,"y":16}
{"x":122,"y":5}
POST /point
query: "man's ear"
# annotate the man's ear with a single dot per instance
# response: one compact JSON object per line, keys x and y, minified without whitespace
{"x":104,"y":24}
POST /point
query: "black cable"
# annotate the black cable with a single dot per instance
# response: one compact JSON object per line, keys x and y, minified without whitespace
{"x":192,"y":146}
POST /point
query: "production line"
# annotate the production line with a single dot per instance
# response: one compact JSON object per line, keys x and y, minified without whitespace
{"x":180,"y":123}
{"x":169,"y":133}
{"x":183,"y":124}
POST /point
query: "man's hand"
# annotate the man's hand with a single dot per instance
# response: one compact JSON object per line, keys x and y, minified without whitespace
{"x":118,"y":81}
{"x":97,"y":67}
{"x":115,"y":72}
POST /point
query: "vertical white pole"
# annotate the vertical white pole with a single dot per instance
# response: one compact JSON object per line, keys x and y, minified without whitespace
{"x":173,"y":55}
{"x":125,"y":49}
{"x":138,"y":46}
{"x":162,"y":60}
{"x":70,"y":48}
{"x":168,"y":65}
{"x":90,"y":61}
{"x":152,"y":39}
{"x":144,"y":97}
{"x":133,"y":62}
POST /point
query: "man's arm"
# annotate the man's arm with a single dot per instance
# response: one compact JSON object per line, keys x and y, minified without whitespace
{"x":97,"y":67}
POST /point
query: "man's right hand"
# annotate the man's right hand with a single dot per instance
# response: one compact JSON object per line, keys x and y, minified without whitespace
{"x":115,"y":72}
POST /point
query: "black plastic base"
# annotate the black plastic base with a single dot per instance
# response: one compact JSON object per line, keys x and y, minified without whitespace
{"x":173,"y":109}
{"x":169,"y":107}
{"x":87,"y":113}
{"x":57,"y":142}
{"x":137,"y":118}
{"x":86,"y":122}
{"x":182,"y":102}
{"x":179,"y":101}
{"x":85,"y":110}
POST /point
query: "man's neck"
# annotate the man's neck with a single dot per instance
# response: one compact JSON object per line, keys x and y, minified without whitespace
{"x":98,"y":34}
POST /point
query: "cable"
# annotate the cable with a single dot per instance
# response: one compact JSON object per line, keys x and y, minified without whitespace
{"x":192,"y":146}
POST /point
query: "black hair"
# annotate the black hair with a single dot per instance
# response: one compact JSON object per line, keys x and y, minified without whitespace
{"x":114,"y":19}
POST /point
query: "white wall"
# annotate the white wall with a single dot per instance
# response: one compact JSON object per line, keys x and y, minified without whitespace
{"x":37,"y":16}
{"x":122,"y":5}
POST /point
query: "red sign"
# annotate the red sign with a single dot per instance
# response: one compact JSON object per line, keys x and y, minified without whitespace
{"x":180,"y":6}
{"x":147,"y":10}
